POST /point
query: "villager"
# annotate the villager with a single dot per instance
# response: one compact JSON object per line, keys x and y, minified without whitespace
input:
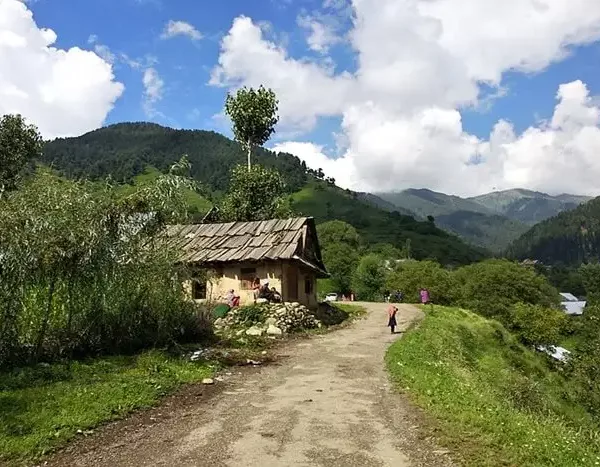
{"x":392,"y":310}
{"x":275,"y":296}
{"x":232,"y":299}
{"x":424,"y":296}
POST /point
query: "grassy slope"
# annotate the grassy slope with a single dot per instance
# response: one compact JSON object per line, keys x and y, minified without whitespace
{"x":195,"y":201}
{"x":497,"y":403}
{"x":41,"y":408}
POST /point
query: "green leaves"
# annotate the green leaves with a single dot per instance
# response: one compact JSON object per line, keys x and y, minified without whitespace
{"x":254,"y":116}
{"x":257,"y":194}
{"x":20,"y":143}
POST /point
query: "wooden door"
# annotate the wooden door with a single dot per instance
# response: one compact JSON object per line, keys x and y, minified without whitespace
{"x":292,"y":284}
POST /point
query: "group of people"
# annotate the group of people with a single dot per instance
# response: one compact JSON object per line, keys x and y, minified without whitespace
{"x":260,"y":290}
{"x":392,"y":310}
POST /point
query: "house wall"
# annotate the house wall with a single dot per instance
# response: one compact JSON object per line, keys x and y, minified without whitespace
{"x":278,"y":273}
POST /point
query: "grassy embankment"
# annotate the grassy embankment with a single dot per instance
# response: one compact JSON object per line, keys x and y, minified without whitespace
{"x":42,"y":407}
{"x":493,"y":401}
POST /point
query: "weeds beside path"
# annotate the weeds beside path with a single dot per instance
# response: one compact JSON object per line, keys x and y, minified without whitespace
{"x":494,"y":401}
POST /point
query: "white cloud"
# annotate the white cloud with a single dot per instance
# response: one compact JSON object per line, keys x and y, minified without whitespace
{"x":181,"y":28}
{"x":321,"y":36}
{"x":419,"y":63}
{"x":64,"y":92}
{"x":153,"y":91}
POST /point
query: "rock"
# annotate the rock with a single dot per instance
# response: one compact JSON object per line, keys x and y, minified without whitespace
{"x":271,"y":322}
{"x":240,"y":333}
{"x":274,"y":331}
{"x":255,"y":331}
{"x":208,"y":381}
{"x":261,"y":300}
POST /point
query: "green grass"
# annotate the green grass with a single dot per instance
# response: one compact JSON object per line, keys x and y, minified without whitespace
{"x":42,"y":407}
{"x":492,"y":401}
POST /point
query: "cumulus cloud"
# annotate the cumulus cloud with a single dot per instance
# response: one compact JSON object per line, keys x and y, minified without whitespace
{"x":64,"y":92}
{"x":180,"y":28}
{"x":420,"y":62}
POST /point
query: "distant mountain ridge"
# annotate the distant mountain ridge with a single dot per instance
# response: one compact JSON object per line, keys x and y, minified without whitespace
{"x":492,"y":220}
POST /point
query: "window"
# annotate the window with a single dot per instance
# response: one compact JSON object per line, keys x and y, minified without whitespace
{"x":198,"y":289}
{"x":308,"y":286}
{"x":247,"y":276}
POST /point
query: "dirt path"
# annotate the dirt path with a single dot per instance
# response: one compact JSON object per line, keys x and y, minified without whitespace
{"x":328,"y":403}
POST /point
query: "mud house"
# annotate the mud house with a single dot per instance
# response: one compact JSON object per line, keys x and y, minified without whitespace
{"x":284,"y":251}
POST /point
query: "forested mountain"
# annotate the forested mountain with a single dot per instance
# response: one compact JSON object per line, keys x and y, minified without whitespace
{"x":126,"y":150}
{"x":488,"y":231}
{"x":326,"y":202}
{"x":570,"y":238}
{"x":492,"y":220}
{"x":528,"y":206}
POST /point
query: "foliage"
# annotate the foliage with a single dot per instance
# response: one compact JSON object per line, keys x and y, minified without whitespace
{"x":368,"y":280}
{"x":335,"y":232}
{"x":492,"y":400}
{"x":82,"y":269}
{"x":20,"y":144}
{"x":410,"y":276}
{"x":251,"y":314}
{"x":590,"y":276}
{"x":491,"y":287}
{"x":325,"y":202}
{"x":127,"y":149}
{"x":565,"y":279}
{"x":254,"y":195}
{"x":570,"y":238}
{"x":537,"y":325}
{"x":254,"y":116}
{"x":340,"y":245}
{"x":42,"y":407}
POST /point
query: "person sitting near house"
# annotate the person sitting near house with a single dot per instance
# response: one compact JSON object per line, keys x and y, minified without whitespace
{"x":275,"y":296}
{"x":264,"y":291}
{"x":232,"y":299}
{"x":256,"y":288}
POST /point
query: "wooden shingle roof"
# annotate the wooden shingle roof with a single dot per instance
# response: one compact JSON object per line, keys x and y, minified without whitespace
{"x":237,"y":242}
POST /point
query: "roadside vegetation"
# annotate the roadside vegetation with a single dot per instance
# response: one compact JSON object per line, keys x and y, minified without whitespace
{"x":44,"y":406}
{"x":494,"y":400}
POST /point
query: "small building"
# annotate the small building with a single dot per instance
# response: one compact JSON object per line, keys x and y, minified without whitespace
{"x":286,"y":252}
{"x":571,"y":305}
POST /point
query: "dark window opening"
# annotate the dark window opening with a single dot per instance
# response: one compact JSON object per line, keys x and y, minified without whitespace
{"x":247,"y":276}
{"x":198,"y":289}
{"x":308,"y":286}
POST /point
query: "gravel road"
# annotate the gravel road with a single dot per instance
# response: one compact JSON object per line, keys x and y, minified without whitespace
{"x":325,"y":402}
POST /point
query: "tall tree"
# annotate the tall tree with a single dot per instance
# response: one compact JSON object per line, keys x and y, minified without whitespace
{"x":20,"y":143}
{"x":254,"y":116}
{"x":255,"y":194}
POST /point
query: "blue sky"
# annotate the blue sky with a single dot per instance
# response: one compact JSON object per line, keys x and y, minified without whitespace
{"x":427,"y":89}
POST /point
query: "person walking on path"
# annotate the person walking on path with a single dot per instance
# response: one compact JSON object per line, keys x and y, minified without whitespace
{"x":392,"y":310}
{"x":424,"y":296}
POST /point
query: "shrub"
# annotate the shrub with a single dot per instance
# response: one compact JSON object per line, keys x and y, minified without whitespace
{"x":410,"y":276}
{"x":369,"y":278}
{"x":537,"y":325}
{"x":492,"y":287}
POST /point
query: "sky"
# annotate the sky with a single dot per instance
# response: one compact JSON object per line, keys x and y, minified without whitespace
{"x":459,"y":96}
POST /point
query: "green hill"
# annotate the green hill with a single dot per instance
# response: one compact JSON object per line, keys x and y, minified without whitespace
{"x":325,"y":202}
{"x":570,"y":238}
{"x":488,"y":231}
{"x":125,"y":151}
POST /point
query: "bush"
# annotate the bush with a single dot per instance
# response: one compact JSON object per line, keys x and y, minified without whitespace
{"x":537,"y":325}
{"x":492,"y":287}
{"x":368,"y":280}
{"x":410,"y":276}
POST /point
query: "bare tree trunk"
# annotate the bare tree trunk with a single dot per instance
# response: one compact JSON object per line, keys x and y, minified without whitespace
{"x":249,"y":154}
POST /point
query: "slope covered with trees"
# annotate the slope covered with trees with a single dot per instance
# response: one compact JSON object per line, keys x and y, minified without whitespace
{"x":571,"y":238}
{"x":125,"y":150}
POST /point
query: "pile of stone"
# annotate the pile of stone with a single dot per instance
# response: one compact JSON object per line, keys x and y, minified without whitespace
{"x":267,"y":319}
